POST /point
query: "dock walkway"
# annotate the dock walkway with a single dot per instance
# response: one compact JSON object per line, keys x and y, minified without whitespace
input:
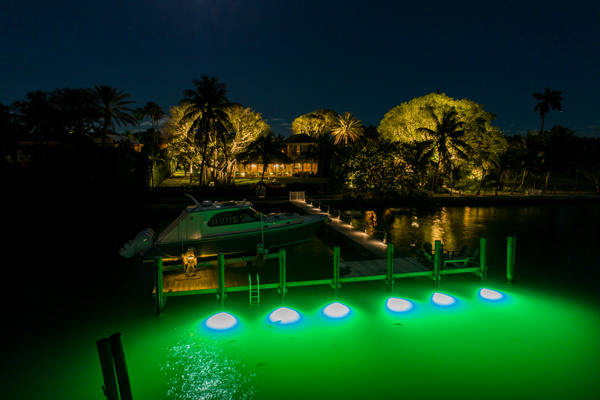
{"x":378,"y":266}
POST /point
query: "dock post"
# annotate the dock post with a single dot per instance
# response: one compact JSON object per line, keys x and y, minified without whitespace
{"x":390,"y":267}
{"x":437,"y":261}
{"x":510,"y":258}
{"x":336,"y":270}
{"x":483,"y":258}
{"x":158,"y":281}
{"x":282,"y":288}
{"x":221,"y":277}
{"x":118,"y":354}
{"x":106,"y":363}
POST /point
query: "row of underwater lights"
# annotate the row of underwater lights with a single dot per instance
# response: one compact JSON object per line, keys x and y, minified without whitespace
{"x":286,"y":316}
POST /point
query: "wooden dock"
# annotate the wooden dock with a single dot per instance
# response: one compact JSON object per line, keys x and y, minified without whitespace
{"x":204,"y":280}
{"x":385,"y":266}
{"x":402,"y":262}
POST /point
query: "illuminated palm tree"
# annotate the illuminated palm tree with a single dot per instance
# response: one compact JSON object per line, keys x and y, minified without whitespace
{"x":207,"y":115}
{"x":347,"y":129}
{"x":112,"y":105}
{"x":549,"y":99}
{"x":446,"y":141}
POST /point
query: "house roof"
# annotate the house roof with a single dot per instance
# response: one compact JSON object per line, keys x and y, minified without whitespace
{"x":299,"y":138}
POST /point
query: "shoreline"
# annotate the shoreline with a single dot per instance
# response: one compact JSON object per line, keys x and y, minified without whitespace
{"x":459,"y":200}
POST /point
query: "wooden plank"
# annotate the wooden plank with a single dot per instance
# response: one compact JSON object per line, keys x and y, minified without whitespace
{"x":366,"y":241}
{"x":406,"y":265}
{"x":203,"y":279}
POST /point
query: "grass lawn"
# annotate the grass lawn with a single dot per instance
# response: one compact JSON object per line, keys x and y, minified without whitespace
{"x":178,"y":180}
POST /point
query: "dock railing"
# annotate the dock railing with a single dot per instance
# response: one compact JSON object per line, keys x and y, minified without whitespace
{"x":335,"y":281}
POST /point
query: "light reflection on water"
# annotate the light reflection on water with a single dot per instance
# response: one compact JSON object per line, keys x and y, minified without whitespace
{"x":551,"y":239}
{"x":199,"y":368}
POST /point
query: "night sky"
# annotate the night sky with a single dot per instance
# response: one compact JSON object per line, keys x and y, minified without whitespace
{"x":287,"y":58}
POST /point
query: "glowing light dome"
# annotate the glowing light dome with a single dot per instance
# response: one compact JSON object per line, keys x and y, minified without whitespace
{"x":398,"y":305}
{"x":336,"y":310}
{"x":443,"y":299}
{"x":284,"y":316}
{"x":489,"y":294}
{"x":221,"y":321}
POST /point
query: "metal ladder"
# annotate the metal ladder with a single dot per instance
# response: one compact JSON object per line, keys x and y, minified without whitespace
{"x":254,"y":291}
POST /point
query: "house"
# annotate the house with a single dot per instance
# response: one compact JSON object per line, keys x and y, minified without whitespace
{"x":293,"y":161}
{"x":113,"y":140}
{"x":297,"y":147}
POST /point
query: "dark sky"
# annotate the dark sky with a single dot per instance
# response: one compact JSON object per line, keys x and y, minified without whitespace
{"x":286,"y":58}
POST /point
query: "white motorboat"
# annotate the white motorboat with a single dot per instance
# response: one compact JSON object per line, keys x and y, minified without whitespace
{"x":210,"y":228}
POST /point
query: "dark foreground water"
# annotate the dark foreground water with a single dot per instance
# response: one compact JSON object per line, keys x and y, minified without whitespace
{"x":539,"y":342}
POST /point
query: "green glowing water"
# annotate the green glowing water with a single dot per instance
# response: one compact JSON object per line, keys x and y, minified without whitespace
{"x":539,"y":342}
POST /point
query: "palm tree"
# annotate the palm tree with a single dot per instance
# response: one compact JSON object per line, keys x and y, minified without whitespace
{"x":156,"y":113}
{"x":206,"y":110}
{"x":268,"y":147}
{"x":35,"y":113}
{"x":347,"y":129}
{"x":112,"y":108}
{"x":445,"y":141}
{"x":139,"y":114}
{"x":75,"y":108}
{"x":323,"y":151}
{"x":549,"y":99}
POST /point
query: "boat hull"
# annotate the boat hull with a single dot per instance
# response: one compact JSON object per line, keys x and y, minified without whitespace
{"x":240,"y":243}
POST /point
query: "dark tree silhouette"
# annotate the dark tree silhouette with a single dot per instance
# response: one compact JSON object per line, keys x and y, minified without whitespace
{"x":547,"y":100}
{"x":112,"y":107}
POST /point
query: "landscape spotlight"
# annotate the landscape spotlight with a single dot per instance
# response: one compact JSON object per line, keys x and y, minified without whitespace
{"x":221,"y":321}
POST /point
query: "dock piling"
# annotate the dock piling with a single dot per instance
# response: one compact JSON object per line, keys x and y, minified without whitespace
{"x":158,"y":281}
{"x":336,"y":270}
{"x":437,"y":261}
{"x":282,"y":287}
{"x":114,"y":368}
{"x":510,"y":258}
{"x":483,"y":258}
{"x":221,"y":278}
{"x":390,"y":267}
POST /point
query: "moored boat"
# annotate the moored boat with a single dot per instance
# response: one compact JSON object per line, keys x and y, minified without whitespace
{"x":231,"y":227}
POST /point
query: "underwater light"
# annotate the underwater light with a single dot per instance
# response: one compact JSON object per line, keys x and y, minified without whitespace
{"x":398,"y":305}
{"x":284,"y":316}
{"x":336,"y":310}
{"x":490,"y":294}
{"x":443,"y":299}
{"x":221,"y":321}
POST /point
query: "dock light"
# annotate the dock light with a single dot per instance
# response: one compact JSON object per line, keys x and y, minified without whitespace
{"x":398,"y":305}
{"x":221,"y":321}
{"x":490,"y":294}
{"x":284,"y":316}
{"x":336,"y":310}
{"x":443,"y":299}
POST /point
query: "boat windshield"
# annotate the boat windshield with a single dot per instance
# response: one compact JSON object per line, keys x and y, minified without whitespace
{"x":234,"y":217}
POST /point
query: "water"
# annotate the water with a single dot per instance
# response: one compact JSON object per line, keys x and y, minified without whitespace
{"x":553,"y":241}
{"x":539,"y":342}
